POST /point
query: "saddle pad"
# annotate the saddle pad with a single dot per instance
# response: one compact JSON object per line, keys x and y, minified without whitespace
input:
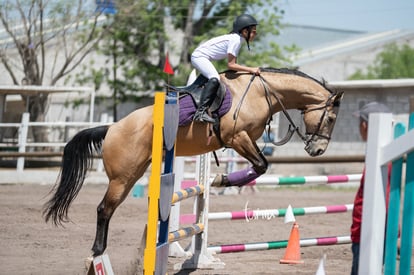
{"x":188,"y":108}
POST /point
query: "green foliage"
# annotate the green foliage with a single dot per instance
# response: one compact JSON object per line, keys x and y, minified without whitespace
{"x":392,"y":63}
{"x":218,"y":20}
{"x":130,"y":46}
{"x":140,"y":34}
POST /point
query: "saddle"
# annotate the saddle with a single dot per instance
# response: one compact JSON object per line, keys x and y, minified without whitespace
{"x":189,"y":99}
{"x":194,"y":91}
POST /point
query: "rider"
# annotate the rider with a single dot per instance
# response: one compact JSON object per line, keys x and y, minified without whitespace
{"x":218,"y":48}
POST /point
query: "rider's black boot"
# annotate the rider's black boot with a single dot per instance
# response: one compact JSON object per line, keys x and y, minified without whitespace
{"x":207,"y":97}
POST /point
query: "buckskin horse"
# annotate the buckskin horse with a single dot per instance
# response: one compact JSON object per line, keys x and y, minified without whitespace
{"x":126,"y":145}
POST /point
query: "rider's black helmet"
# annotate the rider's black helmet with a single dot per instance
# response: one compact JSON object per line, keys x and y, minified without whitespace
{"x":243,"y":21}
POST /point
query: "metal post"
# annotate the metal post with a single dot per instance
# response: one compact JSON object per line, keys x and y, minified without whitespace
{"x":175,"y":248}
{"x":23,"y":129}
{"x":92,"y":105}
{"x":2,"y":108}
{"x":202,"y":258}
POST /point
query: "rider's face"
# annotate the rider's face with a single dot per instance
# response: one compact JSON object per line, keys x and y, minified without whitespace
{"x":253,"y":33}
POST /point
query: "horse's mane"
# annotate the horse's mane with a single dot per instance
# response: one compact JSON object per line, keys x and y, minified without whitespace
{"x":293,"y":72}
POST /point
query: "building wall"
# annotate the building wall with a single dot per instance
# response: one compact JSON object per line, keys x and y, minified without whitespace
{"x":340,"y":64}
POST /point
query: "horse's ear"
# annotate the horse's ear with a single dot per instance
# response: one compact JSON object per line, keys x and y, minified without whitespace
{"x":338,"y":98}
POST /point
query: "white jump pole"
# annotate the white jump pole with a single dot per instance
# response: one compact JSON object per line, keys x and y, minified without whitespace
{"x":373,"y":213}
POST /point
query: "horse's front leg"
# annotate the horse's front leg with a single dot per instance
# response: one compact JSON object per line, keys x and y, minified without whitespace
{"x":247,"y":148}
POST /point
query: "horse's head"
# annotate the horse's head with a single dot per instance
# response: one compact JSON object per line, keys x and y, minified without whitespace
{"x":285,"y":89}
{"x":320,"y":122}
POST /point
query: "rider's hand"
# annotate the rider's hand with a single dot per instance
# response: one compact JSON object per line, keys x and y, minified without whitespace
{"x":255,"y":71}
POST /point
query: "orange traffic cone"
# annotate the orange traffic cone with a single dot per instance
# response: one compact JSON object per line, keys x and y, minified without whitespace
{"x":292,"y":254}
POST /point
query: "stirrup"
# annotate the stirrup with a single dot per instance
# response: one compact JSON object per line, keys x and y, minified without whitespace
{"x":203,"y":116}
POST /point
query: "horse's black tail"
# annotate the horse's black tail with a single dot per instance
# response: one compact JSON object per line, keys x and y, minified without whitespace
{"x":77,"y":159}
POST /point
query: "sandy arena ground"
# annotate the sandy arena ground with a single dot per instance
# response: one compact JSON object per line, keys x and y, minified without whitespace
{"x":30,"y":246}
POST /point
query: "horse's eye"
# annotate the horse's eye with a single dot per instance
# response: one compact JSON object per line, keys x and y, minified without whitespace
{"x":331,"y":118}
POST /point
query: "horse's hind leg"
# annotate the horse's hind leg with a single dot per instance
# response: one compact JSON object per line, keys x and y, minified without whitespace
{"x":114,"y":196}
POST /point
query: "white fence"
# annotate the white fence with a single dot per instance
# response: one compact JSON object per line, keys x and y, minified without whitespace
{"x":23,"y":144}
{"x":381,"y":150}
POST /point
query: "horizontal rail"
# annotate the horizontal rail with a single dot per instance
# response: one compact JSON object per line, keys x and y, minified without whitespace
{"x":267,"y":214}
{"x":31,"y":154}
{"x":35,"y":155}
{"x":328,"y":179}
{"x":326,"y":159}
{"x":21,"y":143}
{"x":186,"y":193}
{"x":185,"y":232}
{"x":272,"y":160}
{"x":231,"y":248}
{"x":274,"y":213}
{"x":55,"y":124}
{"x":295,"y":159}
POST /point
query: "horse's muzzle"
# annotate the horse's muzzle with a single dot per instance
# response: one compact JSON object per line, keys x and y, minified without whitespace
{"x":316,"y":147}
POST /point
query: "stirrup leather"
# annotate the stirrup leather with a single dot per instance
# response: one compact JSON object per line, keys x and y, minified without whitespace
{"x":202,"y":116}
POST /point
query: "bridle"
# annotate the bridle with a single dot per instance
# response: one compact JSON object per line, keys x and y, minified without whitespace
{"x":308,"y":137}
{"x":328,"y":103}
{"x":292,"y":126}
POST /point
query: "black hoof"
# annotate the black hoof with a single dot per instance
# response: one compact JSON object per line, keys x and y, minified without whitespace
{"x":220,"y":181}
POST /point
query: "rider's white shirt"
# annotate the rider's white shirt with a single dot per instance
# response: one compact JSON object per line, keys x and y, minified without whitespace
{"x":219,"y":47}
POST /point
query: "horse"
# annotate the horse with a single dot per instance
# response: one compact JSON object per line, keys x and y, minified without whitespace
{"x":126,"y":145}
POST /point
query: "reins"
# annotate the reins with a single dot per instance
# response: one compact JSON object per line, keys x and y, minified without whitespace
{"x":237,"y":111}
{"x":292,"y":126}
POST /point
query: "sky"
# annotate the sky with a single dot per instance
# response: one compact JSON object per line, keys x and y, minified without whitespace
{"x":358,"y":15}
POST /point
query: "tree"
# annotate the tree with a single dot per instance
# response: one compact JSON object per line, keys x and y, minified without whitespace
{"x":133,"y":49}
{"x":51,"y":39}
{"x":393,"y":62}
{"x":142,"y":31}
{"x":201,"y":20}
